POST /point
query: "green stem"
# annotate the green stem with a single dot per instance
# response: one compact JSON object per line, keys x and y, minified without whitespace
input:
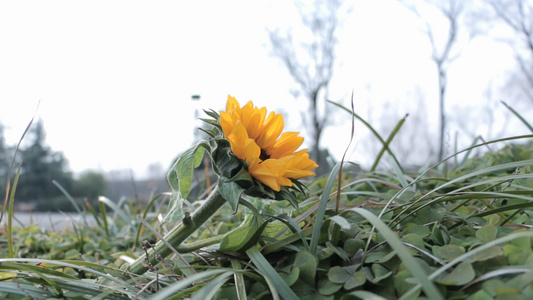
{"x":193,"y":246}
{"x":182,"y":231}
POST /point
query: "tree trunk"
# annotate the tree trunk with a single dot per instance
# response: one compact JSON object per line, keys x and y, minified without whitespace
{"x":442,"y":112}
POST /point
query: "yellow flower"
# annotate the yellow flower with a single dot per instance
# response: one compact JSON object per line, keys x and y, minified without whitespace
{"x":256,"y":138}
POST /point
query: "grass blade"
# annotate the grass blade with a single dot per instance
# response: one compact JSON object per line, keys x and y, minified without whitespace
{"x":519,"y":116}
{"x":11,"y":249}
{"x":145,"y":213}
{"x":434,"y":166}
{"x":95,"y":215}
{"x":10,"y":192}
{"x":25,"y":290}
{"x":117,"y":209}
{"x":400,"y":217}
{"x":72,"y":201}
{"x":169,"y":291}
{"x":294,"y":227}
{"x":269,"y":273}
{"x":399,"y":174}
{"x":181,"y":263}
{"x":385,"y":144}
{"x":274,"y":246}
{"x":240,"y":288}
{"x":321,"y":211}
{"x":8,"y":185}
{"x":120,"y":285}
{"x":103,"y":211}
{"x":209,"y":290}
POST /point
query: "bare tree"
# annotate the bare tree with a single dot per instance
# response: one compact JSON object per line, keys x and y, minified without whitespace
{"x":442,"y":48}
{"x":518,"y":15}
{"x":309,"y":57}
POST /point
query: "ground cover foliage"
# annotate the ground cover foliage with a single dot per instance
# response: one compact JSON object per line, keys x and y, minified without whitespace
{"x":460,"y":229}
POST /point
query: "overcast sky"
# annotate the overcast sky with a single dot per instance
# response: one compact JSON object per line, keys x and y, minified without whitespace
{"x":114,"y":78}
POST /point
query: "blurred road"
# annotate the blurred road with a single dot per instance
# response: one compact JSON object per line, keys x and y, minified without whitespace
{"x":47,"y":220}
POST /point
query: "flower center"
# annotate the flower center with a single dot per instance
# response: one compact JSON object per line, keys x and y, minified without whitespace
{"x":264,"y":155}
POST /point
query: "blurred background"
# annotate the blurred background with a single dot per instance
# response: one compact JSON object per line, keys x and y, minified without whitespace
{"x":116,"y":87}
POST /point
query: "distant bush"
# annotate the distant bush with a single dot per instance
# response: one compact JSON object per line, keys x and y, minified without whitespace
{"x":59,"y":203}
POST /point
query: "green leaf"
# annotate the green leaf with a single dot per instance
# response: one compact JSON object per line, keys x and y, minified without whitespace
{"x":420,"y":230}
{"x":289,"y":195}
{"x":351,"y":246}
{"x":307,"y":263}
{"x":358,"y":279}
{"x":175,"y":210}
{"x":326,"y":287}
{"x":180,"y":175}
{"x":244,"y":236}
{"x":403,"y":253}
{"x":471,"y":253}
{"x":448,"y":252}
{"x":461,"y":275}
{"x":380,"y":273}
{"x":415,"y":240}
{"x":522,"y":243}
{"x":488,"y":253}
{"x":341,"y":221}
{"x":515,"y":255}
{"x":290,"y":278}
{"x":360,"y":294}
{"x":401,"y":285}
{"x":480,"y":295}
{"x":214,"y":115}
{"x":338,"y":274}
{"x":487,"y":233}
{"x":231,"y":191}
{"x":339,"y":251}
{"x":180,"y":178}
{"x":226,"y":163}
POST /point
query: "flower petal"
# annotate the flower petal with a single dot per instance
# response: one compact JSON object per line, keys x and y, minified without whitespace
{"x":286,"y":145}
{"x":232,"y":104}
{"x":301,"y":166}
{"x":242,"y":146}
{"x":270,"y":156}
{"x":270,"y":172}
{"x":271,"y":131}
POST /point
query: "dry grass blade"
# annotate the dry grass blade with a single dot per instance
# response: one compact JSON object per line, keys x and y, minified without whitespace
{"x":339,"y":180}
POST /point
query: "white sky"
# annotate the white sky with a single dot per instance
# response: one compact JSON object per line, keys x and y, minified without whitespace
{"x":115,"y":78}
